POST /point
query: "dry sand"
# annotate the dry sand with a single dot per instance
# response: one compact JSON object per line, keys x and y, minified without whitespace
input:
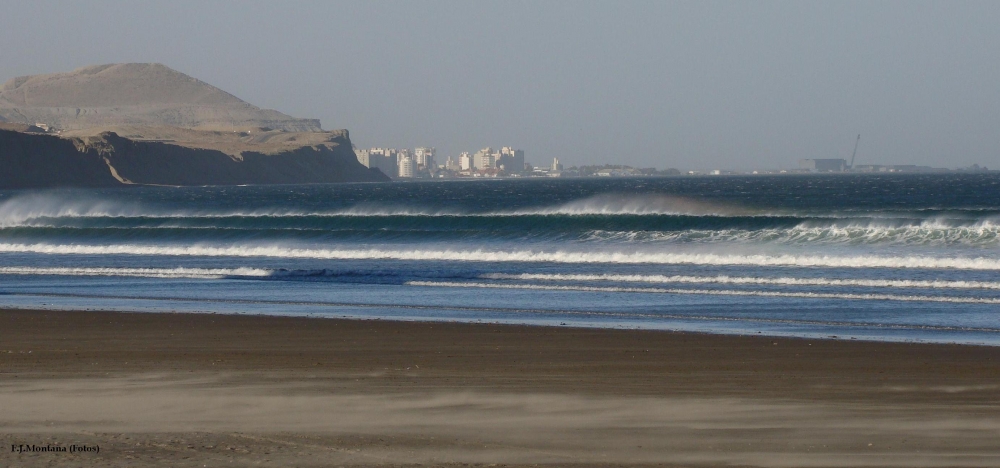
{"x":214,"y":390}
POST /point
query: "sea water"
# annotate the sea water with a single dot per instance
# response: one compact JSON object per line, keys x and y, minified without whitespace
{"x":874,"y":257}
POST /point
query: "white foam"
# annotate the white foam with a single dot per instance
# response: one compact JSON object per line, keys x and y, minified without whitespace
{"x":980,"y":263}
{"x":22,"y":210}
{"x":984,"y":232}
{"x":30,"y":210}
{"x":638,"y":204}
{"x":724,"y":279}
{"x":713,"y":292}
{"x":199,"y":273}
{"x":27,"y":209}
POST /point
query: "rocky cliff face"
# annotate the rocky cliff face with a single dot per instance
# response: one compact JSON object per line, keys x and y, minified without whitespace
{"x":33,"y":161}
{"x":144,"y":123}
{"x":108,"y":160}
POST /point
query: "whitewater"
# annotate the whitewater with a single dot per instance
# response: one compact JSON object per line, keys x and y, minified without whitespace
{"x":882,"y":257}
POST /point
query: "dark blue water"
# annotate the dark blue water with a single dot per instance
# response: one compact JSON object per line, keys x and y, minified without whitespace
{"x":891,"y":257}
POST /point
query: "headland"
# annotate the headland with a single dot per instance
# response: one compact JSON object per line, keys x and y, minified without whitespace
{"x":146,"y":124}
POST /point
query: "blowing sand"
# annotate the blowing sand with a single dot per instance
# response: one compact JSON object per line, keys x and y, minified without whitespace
{"x":214,"y":390}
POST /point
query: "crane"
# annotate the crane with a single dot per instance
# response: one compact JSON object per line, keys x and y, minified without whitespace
{"x":855,"y":153}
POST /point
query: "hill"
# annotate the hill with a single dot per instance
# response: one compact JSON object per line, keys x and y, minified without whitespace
{"x":133,"y":94}
{"x":146,"y":124}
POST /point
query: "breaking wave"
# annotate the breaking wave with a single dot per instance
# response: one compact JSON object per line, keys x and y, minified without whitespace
{"x":54,"y":205}
{"x":713,"y":292}
{"x":980,"y":234}
{"x":847,"y":261}
{"x":198,"y":273}
{"x":741,"y":280}
{"x":605,"y":218}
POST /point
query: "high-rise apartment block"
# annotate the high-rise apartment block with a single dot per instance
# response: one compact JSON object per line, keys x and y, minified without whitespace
{"x":484,"y":159}
{"x":383,"y":159}
{"x":406,"y":169}
{"x":510,"y":160}
{"x":420,"y":162}
{"x":453,"y":164}
{"x":403,"y":153}
{"x":424,"y":157}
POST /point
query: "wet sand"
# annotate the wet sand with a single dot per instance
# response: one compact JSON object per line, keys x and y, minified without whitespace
{"x":217,"y":390}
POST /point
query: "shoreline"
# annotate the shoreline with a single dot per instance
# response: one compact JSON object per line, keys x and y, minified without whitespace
{"x":276,"y":391}
{"x":554,"y":323}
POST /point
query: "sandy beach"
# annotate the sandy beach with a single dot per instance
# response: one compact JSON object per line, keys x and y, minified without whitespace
{"x":224,"y":390}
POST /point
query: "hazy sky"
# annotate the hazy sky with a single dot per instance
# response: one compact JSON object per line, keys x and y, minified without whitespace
{"x":666,"y":84}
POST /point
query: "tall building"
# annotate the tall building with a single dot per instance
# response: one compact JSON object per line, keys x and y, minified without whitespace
{"x":406,"y":167}
{"x":362,"y":156}
{"x":555,"y":165}
{"x":403,"y":153}
{"x":511,"y":160}
{"x":424,"y":157}
{"x":383,"y":159}
{"x":453,"y":164}
{"x":465,"y":161}
{"x":484,"y":159}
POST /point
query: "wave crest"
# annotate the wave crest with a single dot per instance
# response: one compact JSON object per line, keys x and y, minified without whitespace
{"x":639,"y":204}
{"x":981,"y":233}
{"x":713,"y":292}
{"x":747,"y":280}
{"x":530,"y":256}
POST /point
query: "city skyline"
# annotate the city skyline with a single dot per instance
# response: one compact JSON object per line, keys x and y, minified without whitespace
{"x":420,"y":163}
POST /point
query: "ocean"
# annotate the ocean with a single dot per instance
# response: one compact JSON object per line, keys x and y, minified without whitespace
{"x":869,"y":257}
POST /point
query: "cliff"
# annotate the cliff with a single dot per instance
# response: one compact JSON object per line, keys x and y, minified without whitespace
{"x":145,"y":123}
{"x":30,"y":160}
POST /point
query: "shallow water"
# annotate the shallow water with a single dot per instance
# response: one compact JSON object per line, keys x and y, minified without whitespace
{"x":894,"y":257}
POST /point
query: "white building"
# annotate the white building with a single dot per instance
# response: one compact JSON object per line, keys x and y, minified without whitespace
{"x":465,"y":161}
{"x":383,"y":159}
{"x":555,"y":165}
{"x":424,"y":157}
{"x":406,"y":167}
{"x":362,"y":156}
{"x":401,"y":154}
{"x":484,"y":159}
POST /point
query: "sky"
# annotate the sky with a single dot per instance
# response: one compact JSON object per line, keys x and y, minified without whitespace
{"x":690,"y":85}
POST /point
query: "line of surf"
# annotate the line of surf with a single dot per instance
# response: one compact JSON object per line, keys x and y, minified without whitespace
{"x":198,"y":273}
{"x":571,"y":257}
{"x":6,"y":218}
{"x":525,"y":311}
{"x":741,"y":280}
{"x":25,"y":208}
{"x":712,"y":292}
{"x":983,"y":233}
